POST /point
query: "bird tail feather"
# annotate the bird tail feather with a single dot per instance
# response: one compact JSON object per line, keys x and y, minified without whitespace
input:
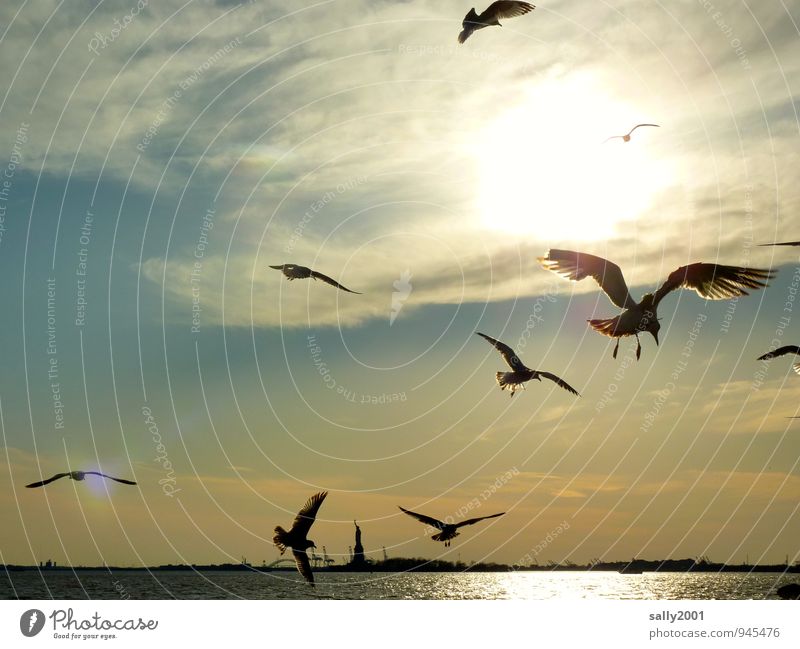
{"x":280,"y":538}
{"x":502,"y":379}
{"x":606,"y":327}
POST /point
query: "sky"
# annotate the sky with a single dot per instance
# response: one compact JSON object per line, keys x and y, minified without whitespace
{"x":156,"y":158}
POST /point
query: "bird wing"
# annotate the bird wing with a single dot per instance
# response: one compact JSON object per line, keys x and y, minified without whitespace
{"x":508,"y":354}
{"x":559,"y":382}
{"x":505,"y":9}
{"x":303,"y":565}
{"x":306,"y":516}
{"x":782,"y":243}
{"x":331,"y":281}
{"x":424,"y":519}
{"x":638,"y":125}
{"x":472,"y":521}
{"x":576,"y":266}
{"x":48,"y":481}
{"x":714,"y":281}
{"x":781,"y":351}
{"x":614,"y":137}
{"x":110,"y":477}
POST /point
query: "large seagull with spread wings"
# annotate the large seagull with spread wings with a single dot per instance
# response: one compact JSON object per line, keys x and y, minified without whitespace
{"x":491,"y":16}
{"x":296,"y":538}
{"x":78,"y":476}
{"x":709,"y":281}
{"x":293,"y":271}
{"x":520,"y":374}
{"x":447,"y":531}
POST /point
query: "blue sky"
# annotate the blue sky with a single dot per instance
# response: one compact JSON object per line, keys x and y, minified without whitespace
{"x":357,"y":138}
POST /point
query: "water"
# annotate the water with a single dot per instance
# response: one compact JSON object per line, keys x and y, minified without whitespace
{"x":101,"y":584}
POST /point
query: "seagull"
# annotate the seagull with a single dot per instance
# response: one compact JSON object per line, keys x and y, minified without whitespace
{"x":627,"y":136}
{"x":293,"y":271}
{"x":448,"y":530}
{"x":491,"y":16}
{"x":296,"y":539}
{"x":782,"y":243}
{"x":516,"y":379}
{"x":782,"y":351}
{"x":76,"y":475}
{"x":709,"y":281}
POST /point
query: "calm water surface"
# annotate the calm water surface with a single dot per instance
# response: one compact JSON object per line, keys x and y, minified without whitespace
{"x":286,"y":585}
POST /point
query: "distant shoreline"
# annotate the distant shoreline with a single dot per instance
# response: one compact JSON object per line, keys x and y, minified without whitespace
{"x":423,"y":565}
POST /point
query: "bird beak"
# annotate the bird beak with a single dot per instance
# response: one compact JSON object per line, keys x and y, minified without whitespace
{"x":655,"y":335}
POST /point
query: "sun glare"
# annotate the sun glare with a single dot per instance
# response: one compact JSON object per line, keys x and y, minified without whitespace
{"x":545,"y":170}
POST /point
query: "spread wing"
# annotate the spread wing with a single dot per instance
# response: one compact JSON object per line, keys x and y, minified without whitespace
{"x":576,"y":266}
{"x":303,"y":565}
{"x":638,"y":125}
{"x":781,"y":351}
{"x":506,"y":9}
{"x":559,"y":382}
{"x":508,"y":354}
{"x":331,"y":281}
{"x":784,"y":243}
{"x":714,"y":281}
{"x":424,"y":519}
{"x":614,"y":137}
{"x":110,"y":477}
{"x":472,"y":521}
{"x":48,"y":481}
{"x":306,"y":516}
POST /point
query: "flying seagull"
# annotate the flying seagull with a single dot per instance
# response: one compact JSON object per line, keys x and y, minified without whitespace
{"x":516,"y":379}
{"x":782,"y":351}
{"x":491,"y":16}
{"x":448,"y":531}
{"x":76,"y":475}
{"x":293,"y":271}
{"x":782,"y":243}
{"x":709,"y":281}
{"x":296,"y":539}
{"x":627,"y":136}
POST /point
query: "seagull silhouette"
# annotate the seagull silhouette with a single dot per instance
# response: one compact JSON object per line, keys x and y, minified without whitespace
{"x":448,"y":531}
{"x":296,"y":539}
{"x":293,"y":271}
{"x":782,"y":351}
{"x":627,"y":136}
{"x":517,"y":379}
{"x":491,"y":16}
{"x":709,"y":281}
{"x":76,"y":475}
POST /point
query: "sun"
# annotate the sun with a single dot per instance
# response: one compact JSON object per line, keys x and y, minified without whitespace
{"x":545,"y":170}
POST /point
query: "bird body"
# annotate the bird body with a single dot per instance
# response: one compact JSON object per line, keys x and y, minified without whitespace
{"x":709,"y":281}
{"x":491,"y":16}
{"x":293,"y":271}
{"x":297,"y":537}
{"x":78,"y":476}
{"x":520,"y":374}
{"x":447,"y":531}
